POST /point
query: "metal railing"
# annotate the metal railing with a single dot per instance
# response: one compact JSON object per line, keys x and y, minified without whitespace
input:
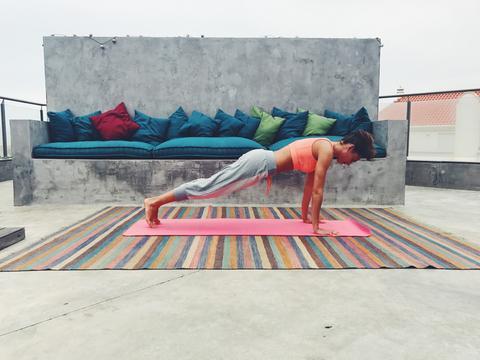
{"x":408,"y":110}
{"x":4,"y":119}
{"x":405,"y":97}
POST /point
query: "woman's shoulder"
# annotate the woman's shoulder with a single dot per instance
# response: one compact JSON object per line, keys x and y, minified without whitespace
{"x":322,"y":142}
{"x":324,"y":147}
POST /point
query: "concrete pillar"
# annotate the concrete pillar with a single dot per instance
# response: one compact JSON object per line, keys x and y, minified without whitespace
{"x":467,"y":128}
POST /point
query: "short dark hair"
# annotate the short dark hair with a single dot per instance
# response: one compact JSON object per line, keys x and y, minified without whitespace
{"x":362,"y":142}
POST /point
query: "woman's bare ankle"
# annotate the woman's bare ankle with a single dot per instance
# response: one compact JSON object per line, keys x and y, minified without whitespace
{"x":152,"y":202}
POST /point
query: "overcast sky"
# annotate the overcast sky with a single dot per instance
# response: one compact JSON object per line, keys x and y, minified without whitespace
{"x":428,"y":45}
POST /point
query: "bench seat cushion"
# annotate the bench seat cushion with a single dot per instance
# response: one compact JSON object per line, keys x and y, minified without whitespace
{"x":178,"y":148}
{"x":112,"y":149}
{"x":380,"y":151}
{"x":228,"y":147}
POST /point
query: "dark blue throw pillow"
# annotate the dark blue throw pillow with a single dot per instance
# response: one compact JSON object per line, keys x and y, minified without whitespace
{"x":199,"y":125}
{"x":342,"y":125}
{"x":293,"y":125}
{"x":362,"y":121}
{"x":228,"y":124}
{"x":60,"y":126}
{"x":346,"y":124}
{"x":250,"y":124}
{"x":152,"y":130}
{"x":177,"y":119}
{"x":84,"y":129}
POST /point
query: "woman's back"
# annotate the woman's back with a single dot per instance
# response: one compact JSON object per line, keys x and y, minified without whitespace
{"x":303,"y":158}
{"x":298,"y":155}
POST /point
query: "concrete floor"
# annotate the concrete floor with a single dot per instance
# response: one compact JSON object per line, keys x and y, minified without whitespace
{"x":301,"y":314}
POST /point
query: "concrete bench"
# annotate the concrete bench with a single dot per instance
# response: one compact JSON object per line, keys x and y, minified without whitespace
{"x":377,"y":182}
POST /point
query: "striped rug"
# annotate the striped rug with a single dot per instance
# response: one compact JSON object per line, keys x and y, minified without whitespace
{"x":96,"y":242}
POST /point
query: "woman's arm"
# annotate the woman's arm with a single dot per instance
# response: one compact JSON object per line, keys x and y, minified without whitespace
{"x":307,"y":195}
{"x":325,"y":156}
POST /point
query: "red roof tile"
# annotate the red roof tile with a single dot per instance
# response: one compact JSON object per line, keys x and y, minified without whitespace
{"x":433,"y":97}
{"x":431,"y":109}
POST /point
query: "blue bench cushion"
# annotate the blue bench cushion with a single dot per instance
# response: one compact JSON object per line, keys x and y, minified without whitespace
{"x":380,"y":151}
{"x":113,"y":149}
{"x":178,"y":148}
{"x":228,"y":147}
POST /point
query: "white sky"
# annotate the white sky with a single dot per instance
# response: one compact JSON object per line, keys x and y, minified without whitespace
{"x":428,"y":45}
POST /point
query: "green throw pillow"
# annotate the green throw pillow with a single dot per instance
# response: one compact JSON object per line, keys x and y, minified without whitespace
{"x":256,"y":112}
{"x":268,"y":127}
{"x":316,"y":124}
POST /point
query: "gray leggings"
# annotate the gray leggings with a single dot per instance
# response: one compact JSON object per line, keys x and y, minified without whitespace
{"x":248,"y":170}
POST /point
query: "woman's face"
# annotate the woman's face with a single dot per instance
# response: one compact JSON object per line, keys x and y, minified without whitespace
{"x":347,"y":155}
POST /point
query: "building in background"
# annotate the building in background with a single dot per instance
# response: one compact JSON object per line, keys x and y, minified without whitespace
{"x":443,"y":126}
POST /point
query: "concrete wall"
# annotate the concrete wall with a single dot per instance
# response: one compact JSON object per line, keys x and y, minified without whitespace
{"x":155,"y":75}
{"x":452,"y":175}
{"x":6,"y":169}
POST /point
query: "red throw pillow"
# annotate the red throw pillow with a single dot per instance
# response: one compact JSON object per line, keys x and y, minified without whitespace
{"x":115,"y":124}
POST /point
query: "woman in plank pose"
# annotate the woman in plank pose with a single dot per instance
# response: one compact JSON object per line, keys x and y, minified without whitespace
{"x":311,"y":156}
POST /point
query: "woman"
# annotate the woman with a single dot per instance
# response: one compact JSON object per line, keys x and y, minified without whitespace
{"x":311,"y":156}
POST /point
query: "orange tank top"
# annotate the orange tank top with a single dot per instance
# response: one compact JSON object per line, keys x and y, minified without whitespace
{"x":302,"y":154}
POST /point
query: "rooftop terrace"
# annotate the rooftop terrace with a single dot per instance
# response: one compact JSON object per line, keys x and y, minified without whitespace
{"x":302,"y":314}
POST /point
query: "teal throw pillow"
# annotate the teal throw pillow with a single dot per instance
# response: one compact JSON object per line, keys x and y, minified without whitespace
{"x":250,"y":124}
{"x":294,"y":123}
{"x":84,"y":129}
{"x":199,"y":125}
{"x":346,"y":124}
{"x":176,"y":121}
{"x":362,"y":121}
{"x":152,"y":130}
{"x":228,"y":124}
{"x":60,"y":126}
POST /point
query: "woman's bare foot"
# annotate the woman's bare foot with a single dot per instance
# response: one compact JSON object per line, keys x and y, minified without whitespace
{"x":326,"y":232}
{"x":151,"y":212}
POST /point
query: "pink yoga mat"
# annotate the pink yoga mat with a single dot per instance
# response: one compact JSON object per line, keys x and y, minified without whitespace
{"x":217,"y":226}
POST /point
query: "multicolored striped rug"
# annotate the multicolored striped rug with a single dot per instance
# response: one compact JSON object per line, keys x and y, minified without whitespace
{"x":97,"y":243}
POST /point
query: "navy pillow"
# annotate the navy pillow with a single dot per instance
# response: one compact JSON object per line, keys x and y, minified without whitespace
{"x":199,"y":125}
{"x":228,"y":124}
{"x":346,"y":124}
{"x":335,"y":115}
{"x":250,"y":124}
{"x":84,"y":129}
{"x":60,"y":126}
{"x":152,"y":130}
{"x":362,"y":121}
{"x":177,"y":119}
{"x":341,"y":127}
{"x":281,"y":113}
{"x":293,"y":125}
